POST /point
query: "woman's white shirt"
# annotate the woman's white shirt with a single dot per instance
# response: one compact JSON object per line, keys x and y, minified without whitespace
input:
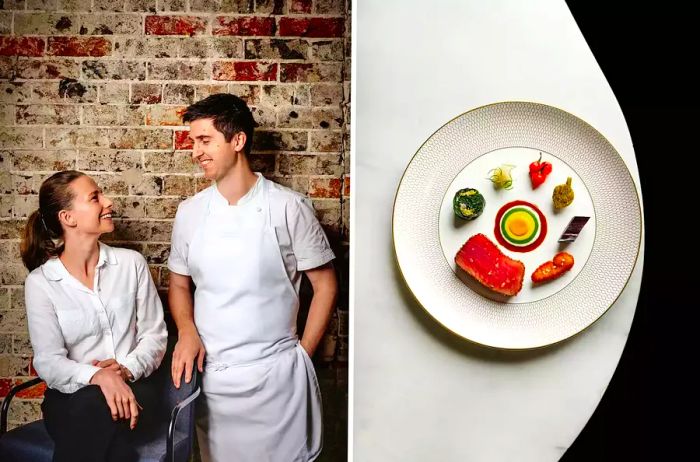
{"x":71,"y":325}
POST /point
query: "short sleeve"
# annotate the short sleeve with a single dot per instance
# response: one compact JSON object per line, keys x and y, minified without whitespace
{"x":179,"y":245}
{"x":309,"y":242}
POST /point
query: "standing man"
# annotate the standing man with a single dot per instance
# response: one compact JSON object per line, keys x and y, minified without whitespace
{"x":244,"y":243}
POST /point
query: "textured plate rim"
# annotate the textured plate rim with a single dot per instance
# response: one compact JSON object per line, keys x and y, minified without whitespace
{"x":638,"y":199}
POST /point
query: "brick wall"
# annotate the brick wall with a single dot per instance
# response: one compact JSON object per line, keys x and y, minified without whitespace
{"x":97,"y":85}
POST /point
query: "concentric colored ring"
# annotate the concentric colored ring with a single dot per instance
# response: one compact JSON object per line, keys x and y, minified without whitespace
{"x":520,"y":226}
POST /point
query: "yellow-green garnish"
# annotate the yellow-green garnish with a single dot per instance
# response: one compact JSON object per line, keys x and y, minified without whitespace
{"x":563,"y":195}
{"x":500,"y":177}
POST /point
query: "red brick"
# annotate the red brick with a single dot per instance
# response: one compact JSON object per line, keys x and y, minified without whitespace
{"x":346,"y":188}
{"x":325,"y":187}
{"x":295,"y":71}
{"x":182,"y":140}
{"x":175,"y":25}
{"x":37,"y":391}
{"x":248,"y":25}
{"x":245,"y":71}
{"x":300,"y":6}
{"x":21,"y":46}
{"x":79,"y":46}
{"x":5,"y":385}
{"x":312,"y":27}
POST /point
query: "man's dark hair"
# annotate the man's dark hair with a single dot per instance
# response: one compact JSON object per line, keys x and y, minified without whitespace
{"x":230,"y":113}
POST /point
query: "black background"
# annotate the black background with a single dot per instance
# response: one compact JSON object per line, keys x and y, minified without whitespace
{"x":648,"y":411}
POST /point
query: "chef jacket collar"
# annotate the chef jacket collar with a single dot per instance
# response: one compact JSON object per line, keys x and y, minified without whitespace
{"x":219,"y":201}
{"x":54,"y":270}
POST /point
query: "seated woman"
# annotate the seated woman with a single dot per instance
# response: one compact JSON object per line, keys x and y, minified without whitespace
{"x":95,"y":323}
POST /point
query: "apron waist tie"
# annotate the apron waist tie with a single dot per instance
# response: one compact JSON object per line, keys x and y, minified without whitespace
{"x":272,"y":356}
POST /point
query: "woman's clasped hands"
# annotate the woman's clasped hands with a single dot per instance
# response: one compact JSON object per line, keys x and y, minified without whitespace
{"x":111,"y":378}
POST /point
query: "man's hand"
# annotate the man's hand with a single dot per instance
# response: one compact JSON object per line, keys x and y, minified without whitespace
{"x":120,"y":398}
{"x":189,"y":346}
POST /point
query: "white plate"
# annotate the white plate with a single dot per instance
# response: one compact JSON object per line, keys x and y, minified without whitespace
{"x":459,"y":155}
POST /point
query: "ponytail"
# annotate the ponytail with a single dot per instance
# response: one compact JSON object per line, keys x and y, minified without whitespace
{"x":37,"y":246}
{"x":42,"y":237}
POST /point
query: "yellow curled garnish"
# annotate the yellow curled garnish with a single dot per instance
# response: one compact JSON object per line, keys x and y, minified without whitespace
{"x":500,"y":177}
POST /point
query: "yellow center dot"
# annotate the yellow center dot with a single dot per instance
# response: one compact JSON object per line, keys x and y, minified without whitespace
{"x":518,"y":226}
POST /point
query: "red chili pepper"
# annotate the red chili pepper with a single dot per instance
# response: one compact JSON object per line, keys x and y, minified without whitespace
{"x":539,"y":171}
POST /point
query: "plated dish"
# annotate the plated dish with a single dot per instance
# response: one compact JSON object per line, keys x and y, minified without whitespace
{"x":516,"y":225}
{"x":521,"y":220}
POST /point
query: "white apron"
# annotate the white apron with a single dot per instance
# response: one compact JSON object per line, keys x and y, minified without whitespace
{"x":261,"y":400}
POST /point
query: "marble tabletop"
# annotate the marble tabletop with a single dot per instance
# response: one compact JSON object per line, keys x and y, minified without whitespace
{"x":419,"y":392}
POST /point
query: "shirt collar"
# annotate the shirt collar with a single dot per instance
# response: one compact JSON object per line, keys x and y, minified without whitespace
{"x":218,"y":200}
{"x":54,"y":270}
{"x":107,"y":255}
